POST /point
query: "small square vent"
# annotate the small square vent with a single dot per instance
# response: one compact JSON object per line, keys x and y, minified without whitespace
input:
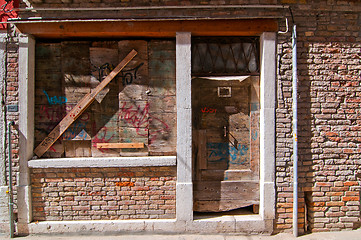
{"x":224,"y":92}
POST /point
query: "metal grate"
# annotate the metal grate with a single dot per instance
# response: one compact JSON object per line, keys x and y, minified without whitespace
{"x":225,"y":56}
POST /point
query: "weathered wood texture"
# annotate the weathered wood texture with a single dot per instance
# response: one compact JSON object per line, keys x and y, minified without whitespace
{"x":161,"y":98}
{"x":79,"y":108}
{"x":120,"y":145}
{"x":48,"y":110}
{"x":113,"y":29}
{"x":216,"y":196}
{"x":137,"y":106}
{"x":226,"y":143}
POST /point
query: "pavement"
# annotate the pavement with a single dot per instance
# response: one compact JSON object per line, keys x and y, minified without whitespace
{"x":343,"y":235}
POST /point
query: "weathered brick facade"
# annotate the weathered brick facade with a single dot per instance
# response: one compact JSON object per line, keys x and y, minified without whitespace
{"x":329,"y":137}
{"x":103,"y":193}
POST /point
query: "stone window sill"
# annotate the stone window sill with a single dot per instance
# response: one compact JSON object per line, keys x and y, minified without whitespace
{"x":150,"y":161}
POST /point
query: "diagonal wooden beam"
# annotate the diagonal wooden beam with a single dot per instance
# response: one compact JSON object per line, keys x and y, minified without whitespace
{"x":80,"y":108}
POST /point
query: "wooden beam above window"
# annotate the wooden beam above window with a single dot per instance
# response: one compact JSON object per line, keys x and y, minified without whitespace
{"x":144,"y":28}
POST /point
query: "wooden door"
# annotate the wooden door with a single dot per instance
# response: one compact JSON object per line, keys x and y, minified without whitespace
{"x":226,"y":143}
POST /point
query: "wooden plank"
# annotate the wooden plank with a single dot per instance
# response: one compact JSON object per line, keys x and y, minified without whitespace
{"x":79,"y":108}
{"x":217,"y":196}
{"x":77,"y":148}
{"x":202,"y":149}
{"x":120,"y":145}
{"x":226,"y":190}
{"x":221,"y":206}
{"x":113,"y":29}
{"x":100,"y":67}
{"x":254,"y":129}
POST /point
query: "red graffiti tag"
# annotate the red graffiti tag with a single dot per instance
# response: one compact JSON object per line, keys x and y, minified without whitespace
{"x":137,"y":117}
{"x":208,"y":110}
{"x":140,"y":119}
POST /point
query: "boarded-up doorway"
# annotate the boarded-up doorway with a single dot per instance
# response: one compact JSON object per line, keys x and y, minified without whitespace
{"x":226,"y":143}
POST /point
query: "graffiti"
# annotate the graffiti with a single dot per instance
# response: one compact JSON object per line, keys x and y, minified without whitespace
{"x":129,"y":75}
{"x":52,"y":149}
{"x":140,"y":119}
{"x":223,"y":152}
{"x":136,"y":116}
{"x":55,"y":100}
{"x":103,"y":70}
{"x":55,"y":113}
{"x":76,"y":132}
{"x":208,"y":110}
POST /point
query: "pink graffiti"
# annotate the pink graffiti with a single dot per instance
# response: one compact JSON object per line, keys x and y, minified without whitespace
{"x":137,"y":117}
{"x":140,"y":118}
{"x":208,"y":110}
{"x":55,"y":113}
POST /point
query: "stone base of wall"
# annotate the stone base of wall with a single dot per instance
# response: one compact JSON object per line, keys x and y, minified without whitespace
{"x":4,"y":209}
{"x":103,"y":193}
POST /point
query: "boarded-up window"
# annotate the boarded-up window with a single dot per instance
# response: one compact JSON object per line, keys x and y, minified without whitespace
{"x":135,"y":114}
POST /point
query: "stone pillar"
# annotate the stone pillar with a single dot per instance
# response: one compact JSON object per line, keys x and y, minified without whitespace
{"x":184,"y":202}
{"x":268,"y":126}
{"x":26,"y":128}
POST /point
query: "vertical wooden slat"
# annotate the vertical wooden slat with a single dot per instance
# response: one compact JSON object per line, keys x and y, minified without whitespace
{"x":202,"y":149}
{"x":254,"y":128}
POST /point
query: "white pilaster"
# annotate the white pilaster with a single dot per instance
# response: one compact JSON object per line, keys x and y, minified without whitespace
{"x":267,"y":125}
{"x":184,"y":202}
{"x":26,"y":125}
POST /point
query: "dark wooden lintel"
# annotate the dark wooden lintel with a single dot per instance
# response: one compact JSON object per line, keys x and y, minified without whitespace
{"x":145,"y":28}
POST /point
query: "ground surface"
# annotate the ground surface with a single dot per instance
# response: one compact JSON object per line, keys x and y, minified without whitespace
{"x":344,"y":235}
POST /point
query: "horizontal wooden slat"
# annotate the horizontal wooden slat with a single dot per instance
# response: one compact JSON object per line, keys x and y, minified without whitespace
{"x":217,"y":196}
{"x":223,"y":205}
{"x":115,"y":29}
{"x":120,"y":145}
{"x":226,"y":190}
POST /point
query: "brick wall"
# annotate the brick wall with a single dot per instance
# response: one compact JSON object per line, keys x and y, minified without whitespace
{"x":103,"y":193}
{"x":329,"y":117}
{"x":11,"y":97}
{"x":329,"y":99}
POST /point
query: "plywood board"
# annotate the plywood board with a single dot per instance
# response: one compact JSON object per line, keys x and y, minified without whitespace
{"x":103,"y":60}
{"x":215,"y":196}
{"x":75,"y":64}
{"x":255,"y":128}
{"x":77,"y":149}
{"x":202,"y":150}
{"x":134,"y":79}
{"x":162,"y":133}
